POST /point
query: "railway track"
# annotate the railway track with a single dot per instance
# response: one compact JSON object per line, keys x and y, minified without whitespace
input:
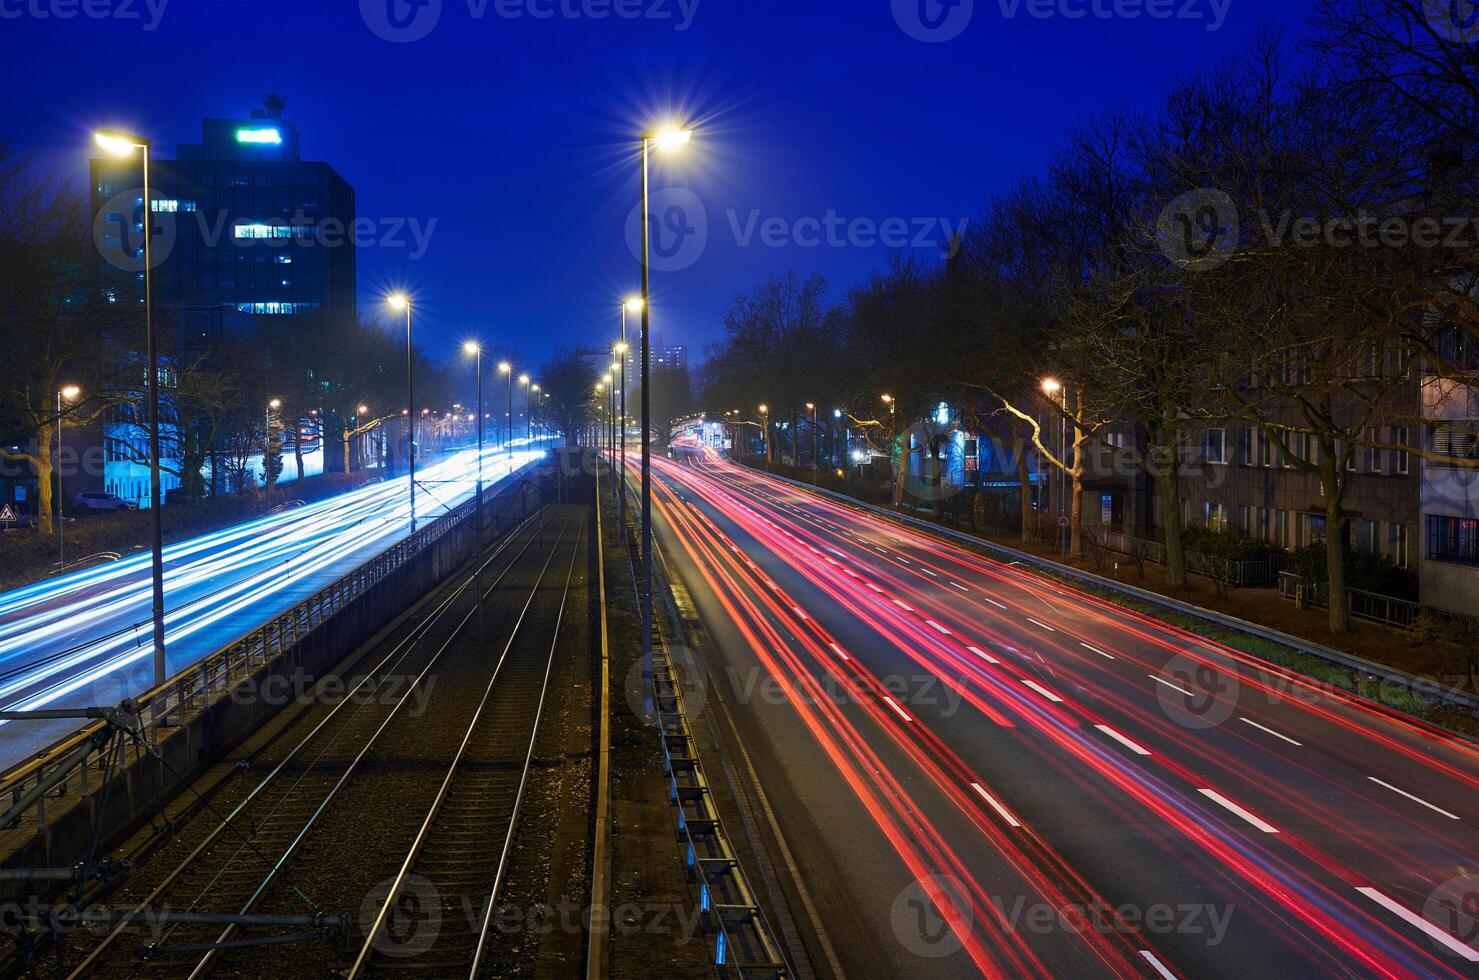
{"x":460,"y":858}
{"x":203,"y":907}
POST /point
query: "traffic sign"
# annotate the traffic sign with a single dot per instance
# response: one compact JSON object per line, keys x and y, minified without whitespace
{"x":1062,"y":522}
{"x":7,"y":514}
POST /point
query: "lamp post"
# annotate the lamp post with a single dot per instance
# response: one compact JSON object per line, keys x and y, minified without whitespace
{"x":123,"y":145}
{"x":1052,"y":387}
{"x":504,"y":367}
{"x":69,"y":393}
{"x":633,"y":304}
{"x":400,"y":301}
{"x":532,"y":401}
{"x":272,"y":448}
{"x":816,"y":459}
{"x":765,"y":414}
{"x":524,"y":382}
{"x":475,"y":350}
{"x":669,"y":138}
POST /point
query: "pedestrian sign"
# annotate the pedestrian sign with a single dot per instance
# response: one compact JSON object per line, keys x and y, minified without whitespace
{"x":7,"y":514}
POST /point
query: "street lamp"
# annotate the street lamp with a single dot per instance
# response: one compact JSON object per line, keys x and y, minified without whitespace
{"x":504,"y":367}
{"x":528,"y":410}
{"x":816,"y":459}
{"x":668,"y":138}
{"x":632,"y":304}
{"x":1052,"y":387}
{"x":68,"y":393}
{"x":121,"y":144}
{"x":400,"y":301}
{"x":765,"y":414}
{"x":475,"y":350}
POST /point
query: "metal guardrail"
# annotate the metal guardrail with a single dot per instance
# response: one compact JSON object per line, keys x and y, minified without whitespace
{"x":744,"y":947}
{"x":194,"y":689}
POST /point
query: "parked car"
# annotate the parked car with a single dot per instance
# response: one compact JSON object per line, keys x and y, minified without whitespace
{"x":102,"y":501}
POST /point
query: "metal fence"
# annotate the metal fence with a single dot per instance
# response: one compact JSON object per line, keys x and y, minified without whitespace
{"x":186,"y":695}
{"x":1262,"y":573}
{"x":1384,"y":609}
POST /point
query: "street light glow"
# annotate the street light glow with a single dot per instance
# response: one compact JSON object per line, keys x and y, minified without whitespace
{"x":1051,"y":386}
{"x":504,"y":367}
{"x":635,"y":304}
{"x":622,"y":347}
{"x":116,"y":143}
{"x":523,"y":379}
{"x":275,"y":404}
{"x":472,"y":347}
{"x":70,"y":392}
{"x":363,"y":410}
{"x":398,"y":301}
{"x":670,"y":138}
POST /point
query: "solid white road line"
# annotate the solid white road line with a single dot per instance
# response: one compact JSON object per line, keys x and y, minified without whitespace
{"x":1265,"y":728}
{"x":1162,"y":680}
{"x":838,"y":650}
{"x":1042,"y":690}
{"x":1413,"y":919}
{"x":983,"y":655}
{"x":1415,"y":799}
{"x":937,"y":627}
{"x":1232,"y":807}
{"x":1038,"y":622}
{"x":1096,"y":650}
{"x":1122,"y":740}
{"x":1157,"y":965}
{"x":895,"y":705}
{"x":1003,"y":811}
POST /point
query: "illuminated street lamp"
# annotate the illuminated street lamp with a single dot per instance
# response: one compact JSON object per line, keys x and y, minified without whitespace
{"x":816,"y":462}
{"x":123,"y":145}
{"x":504,"y":367}
{"x":398,"y":302}
{"x":68,"y":393}
{"x":633,"y":304}
{"x":668,"y":138}
{"x":1054,"y":388}
{"x":475,"y":350}
{"x":765,"y":414}
{"x":524,"y":382}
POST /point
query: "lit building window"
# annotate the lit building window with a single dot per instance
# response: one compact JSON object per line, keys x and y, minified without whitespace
{"x":259,"y":230}
{"x":169,"y":205}
{"x":275,"y":309}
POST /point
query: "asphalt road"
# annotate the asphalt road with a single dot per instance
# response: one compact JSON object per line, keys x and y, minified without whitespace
{"x":983,"y":773}
{"x":85,"y":639}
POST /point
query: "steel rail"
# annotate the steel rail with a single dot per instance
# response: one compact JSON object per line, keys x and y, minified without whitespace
{"x":398,"y":654}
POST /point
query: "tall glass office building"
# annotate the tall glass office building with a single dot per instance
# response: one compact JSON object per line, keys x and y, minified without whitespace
{"x":244,"y":229}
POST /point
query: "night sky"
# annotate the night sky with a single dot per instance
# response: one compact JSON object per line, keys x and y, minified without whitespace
{"x":517,"y":136}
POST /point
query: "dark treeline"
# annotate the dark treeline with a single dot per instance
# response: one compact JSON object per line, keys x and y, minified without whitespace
{"x":1280,"y":249}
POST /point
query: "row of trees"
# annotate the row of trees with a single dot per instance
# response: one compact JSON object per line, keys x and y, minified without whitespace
{"x":1286,"y":246}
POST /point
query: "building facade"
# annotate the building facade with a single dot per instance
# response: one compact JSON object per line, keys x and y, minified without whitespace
{"x":244,"y":229}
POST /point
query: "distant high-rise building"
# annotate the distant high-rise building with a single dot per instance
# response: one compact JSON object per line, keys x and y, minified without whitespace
{"x":252,"y":229}
{"x":244,"y":230}
{"x":663,"y":355}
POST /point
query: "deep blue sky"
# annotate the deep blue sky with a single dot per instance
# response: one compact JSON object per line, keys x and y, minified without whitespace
{"x":517,"y":135}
